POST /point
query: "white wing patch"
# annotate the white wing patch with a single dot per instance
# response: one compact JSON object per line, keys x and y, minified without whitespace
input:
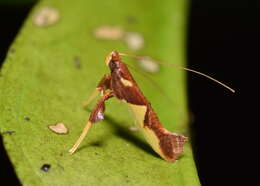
{"x":126,"y":82}
{"x":139,"y":112}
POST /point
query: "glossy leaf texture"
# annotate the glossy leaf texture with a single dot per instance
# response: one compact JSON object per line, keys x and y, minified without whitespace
{"x":48,"y":73}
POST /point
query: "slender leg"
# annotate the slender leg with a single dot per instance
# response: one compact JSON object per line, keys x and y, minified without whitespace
{"x":96,"y":115}
{"x":103,"y":85}
{"x":91,"y":98}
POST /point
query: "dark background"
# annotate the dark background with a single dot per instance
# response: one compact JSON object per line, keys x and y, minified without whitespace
{"x":219,"y":40}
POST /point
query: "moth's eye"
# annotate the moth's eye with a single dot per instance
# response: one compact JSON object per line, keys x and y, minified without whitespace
{"x":113,"y":65}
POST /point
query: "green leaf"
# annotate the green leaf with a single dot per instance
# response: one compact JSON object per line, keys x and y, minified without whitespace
{"x":40,"y":85}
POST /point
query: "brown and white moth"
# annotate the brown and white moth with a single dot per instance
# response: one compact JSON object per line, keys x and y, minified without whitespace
{"x":120,"y":84}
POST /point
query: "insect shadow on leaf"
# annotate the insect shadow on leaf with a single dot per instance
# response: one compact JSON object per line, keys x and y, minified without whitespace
{"x":122,"y":132}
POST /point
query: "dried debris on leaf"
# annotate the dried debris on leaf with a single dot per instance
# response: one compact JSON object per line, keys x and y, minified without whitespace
{"x":149,"y":65}
{"x":133,"y":128}
{"x":46,"y":16}
{"x":59,"y":128}
{"x":134,"y":40}
{"x":109,"y":32}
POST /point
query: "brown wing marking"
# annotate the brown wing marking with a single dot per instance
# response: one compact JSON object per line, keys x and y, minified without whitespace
{"x":171,"y":144}
{"x":167,"y":144}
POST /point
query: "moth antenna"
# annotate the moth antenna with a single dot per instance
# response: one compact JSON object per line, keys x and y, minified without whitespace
{"x":179,"y":67}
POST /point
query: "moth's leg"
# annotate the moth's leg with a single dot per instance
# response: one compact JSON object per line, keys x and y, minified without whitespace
{"x":96,"y":115}
{"x":103,"y":85}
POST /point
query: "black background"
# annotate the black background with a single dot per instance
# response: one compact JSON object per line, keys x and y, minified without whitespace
{"x":219,"y":43}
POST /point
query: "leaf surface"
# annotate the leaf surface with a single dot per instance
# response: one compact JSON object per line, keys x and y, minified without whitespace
{"x":41,"y":84}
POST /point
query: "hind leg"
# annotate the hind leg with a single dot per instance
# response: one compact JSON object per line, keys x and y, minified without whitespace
{"x":96,"y":115}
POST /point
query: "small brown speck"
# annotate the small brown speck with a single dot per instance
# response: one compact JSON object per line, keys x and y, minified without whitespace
{"x":77,"y":62}
{"x":45,"y":167}
{"x":27,"y":118}
{"x":109,"y":32}
{"x":12,"y":50}
{"x":46,"y":16}
{"x":131,"y":20}
{"x":58,"y":128}
{"x":9,"y":132}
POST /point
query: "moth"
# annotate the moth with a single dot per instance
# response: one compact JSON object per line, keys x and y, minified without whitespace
{"x":121,"y":85}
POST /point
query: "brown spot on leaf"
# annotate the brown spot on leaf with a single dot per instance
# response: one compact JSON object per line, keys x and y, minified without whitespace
{"x":131,"y":19}
{"x":10,"y":132}
{"x":77,"y":62}
{"x":27,"y":118}
{"x":45,"y":167}
{"x":12,"y":50}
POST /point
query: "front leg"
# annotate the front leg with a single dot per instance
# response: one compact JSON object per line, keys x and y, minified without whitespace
{"x":103,"y":85}
{"x":96,"y":115}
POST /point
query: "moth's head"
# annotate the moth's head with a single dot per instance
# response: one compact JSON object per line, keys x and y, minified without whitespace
{"x":113,"y":60}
